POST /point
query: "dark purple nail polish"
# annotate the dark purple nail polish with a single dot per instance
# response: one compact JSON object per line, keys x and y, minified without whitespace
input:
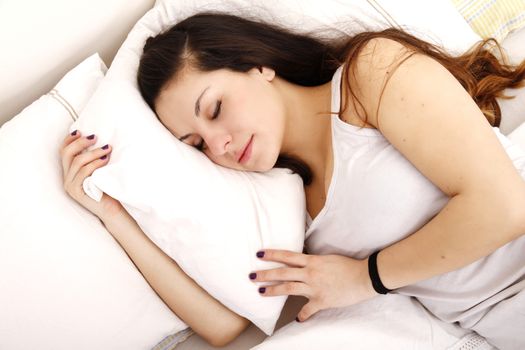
{"x":103,"y":157}
{"x":297,"y":319}
{"x":262,"y":290}
{"x":91,"y":137}
{"x":105,"y":147}
{"x":260,"y":254}
{"x":74,"y":133}
{"x":253,"y":275}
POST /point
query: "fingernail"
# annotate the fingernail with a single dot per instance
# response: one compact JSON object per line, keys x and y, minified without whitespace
{"x":253,"y":275}
{"x":297,"y":319}
{"x":262,"y":290}
{"x":105,"y":147}
{"x":74,"y":133}
{"x":103,"y":157}
{"x":91,"y":137}
{"x":260,"y":254}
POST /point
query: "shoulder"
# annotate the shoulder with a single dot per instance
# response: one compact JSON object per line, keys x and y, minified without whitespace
{"x":364,"y":77}
{"x":378,"y":58}
{"x":378,"y":52}
{"x":427,"y":115}
{"x":372,"y":70}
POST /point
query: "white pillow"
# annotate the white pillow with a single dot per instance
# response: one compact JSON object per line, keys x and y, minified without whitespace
{"x":65,"y":282}
{"x":513,"y":110}
{"x":211,"y":220}
{"x":436,"y":21}
{"x":393,"y":322}
{"x":518,"y":136}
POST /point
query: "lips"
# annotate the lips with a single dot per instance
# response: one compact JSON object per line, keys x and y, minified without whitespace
{"x":244,"y":150}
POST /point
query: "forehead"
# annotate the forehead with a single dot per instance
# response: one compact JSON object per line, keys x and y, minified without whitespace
{"x":175,"y":105}
{"x":190,"y":83}
{"x":186,"y":86}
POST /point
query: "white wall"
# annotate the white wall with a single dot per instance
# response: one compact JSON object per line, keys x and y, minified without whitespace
{"x":41,"y":40}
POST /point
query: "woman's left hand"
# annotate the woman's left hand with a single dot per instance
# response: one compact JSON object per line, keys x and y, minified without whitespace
{"x":326,"y":280}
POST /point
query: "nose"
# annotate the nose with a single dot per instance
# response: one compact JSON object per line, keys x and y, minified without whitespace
{"x":218,"y":142}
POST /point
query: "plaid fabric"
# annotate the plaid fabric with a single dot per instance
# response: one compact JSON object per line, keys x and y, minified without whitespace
{"x":492,"y":18}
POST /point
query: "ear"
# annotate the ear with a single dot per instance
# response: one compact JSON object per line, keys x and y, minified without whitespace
{"x":267,"y":73}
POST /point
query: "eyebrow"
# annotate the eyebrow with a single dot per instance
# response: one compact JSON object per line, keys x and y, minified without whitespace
{"x":197,"y":111}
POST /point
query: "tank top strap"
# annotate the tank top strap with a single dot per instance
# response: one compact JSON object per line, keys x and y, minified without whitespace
{"x":337,"y":123}
{"x":336,"y":91}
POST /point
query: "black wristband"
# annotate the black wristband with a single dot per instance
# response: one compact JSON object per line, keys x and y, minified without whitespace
{"x":374,"y":275}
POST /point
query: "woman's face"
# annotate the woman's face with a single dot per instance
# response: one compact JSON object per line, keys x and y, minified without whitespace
{"x":238,"y":119}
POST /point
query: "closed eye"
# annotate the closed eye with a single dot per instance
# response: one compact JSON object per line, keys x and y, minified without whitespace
{"x":217,"y":109}
{"x":201,"y":146}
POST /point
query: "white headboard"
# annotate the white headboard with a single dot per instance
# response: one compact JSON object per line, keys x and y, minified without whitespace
{"x":42,"y":40}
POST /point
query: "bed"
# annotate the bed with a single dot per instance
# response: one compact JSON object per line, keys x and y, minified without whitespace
{"x":46,"y":40}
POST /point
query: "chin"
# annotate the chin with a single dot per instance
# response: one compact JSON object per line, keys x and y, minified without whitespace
{"x":262,"y":169}
{"x":267,"y":164}
{"x":261,"y":166}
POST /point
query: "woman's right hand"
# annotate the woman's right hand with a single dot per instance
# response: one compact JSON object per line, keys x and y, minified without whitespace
{"x":77,"y":164}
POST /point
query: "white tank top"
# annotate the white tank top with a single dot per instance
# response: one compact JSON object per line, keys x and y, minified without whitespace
{"x":377,"y":197}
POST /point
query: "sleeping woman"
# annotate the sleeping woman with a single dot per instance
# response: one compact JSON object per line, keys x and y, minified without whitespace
{"x":410,"y":186}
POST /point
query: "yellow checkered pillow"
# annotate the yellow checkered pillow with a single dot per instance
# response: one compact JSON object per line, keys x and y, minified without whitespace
{"x":492,"y":18}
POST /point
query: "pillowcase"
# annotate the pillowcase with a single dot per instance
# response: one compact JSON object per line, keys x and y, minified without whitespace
{"x":394,"y":322}
{"x":492,"y":19}
{"x":211,"y":220}
{"x":435,"y":21}
{"x":513,"y":110}
{"x":66,"y":283}
{"x":518,"y":136}
{"x":334,"y":18}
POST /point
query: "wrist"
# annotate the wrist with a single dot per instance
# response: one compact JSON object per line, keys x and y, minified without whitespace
{"x":117,"y":222}
{"x":367,"y":282}
{"x":373,"y":273}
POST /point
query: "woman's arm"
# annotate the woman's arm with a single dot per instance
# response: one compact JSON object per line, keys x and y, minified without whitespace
{"x":208,"y":318}
{"x":205,"y":315}
{"x":429,"y":117}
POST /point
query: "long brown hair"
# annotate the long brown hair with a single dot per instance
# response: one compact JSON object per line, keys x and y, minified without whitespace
{"x":210,"y":41}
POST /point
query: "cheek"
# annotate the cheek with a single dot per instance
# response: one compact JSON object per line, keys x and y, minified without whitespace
{"x":221,"y":160}
{"x":266,"y":107}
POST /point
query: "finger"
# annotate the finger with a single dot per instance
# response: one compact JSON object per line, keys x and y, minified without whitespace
{"x":284,"y":256}
{"x":280,"y":274}
{"x":307,"y":311}
{"x":289,"y":288}
{"x":75,"y":186}
{"x":77,"y":145}
{"x":82,"y":159}
{"x":66,"y":142}
{"x":86,"y":158}
{"x":70,"y":138}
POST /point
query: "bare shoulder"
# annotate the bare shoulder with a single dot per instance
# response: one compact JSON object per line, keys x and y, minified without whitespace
{"x":376,"y":62}
{"x":380,"y":54}
{"x":426,"y":114}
